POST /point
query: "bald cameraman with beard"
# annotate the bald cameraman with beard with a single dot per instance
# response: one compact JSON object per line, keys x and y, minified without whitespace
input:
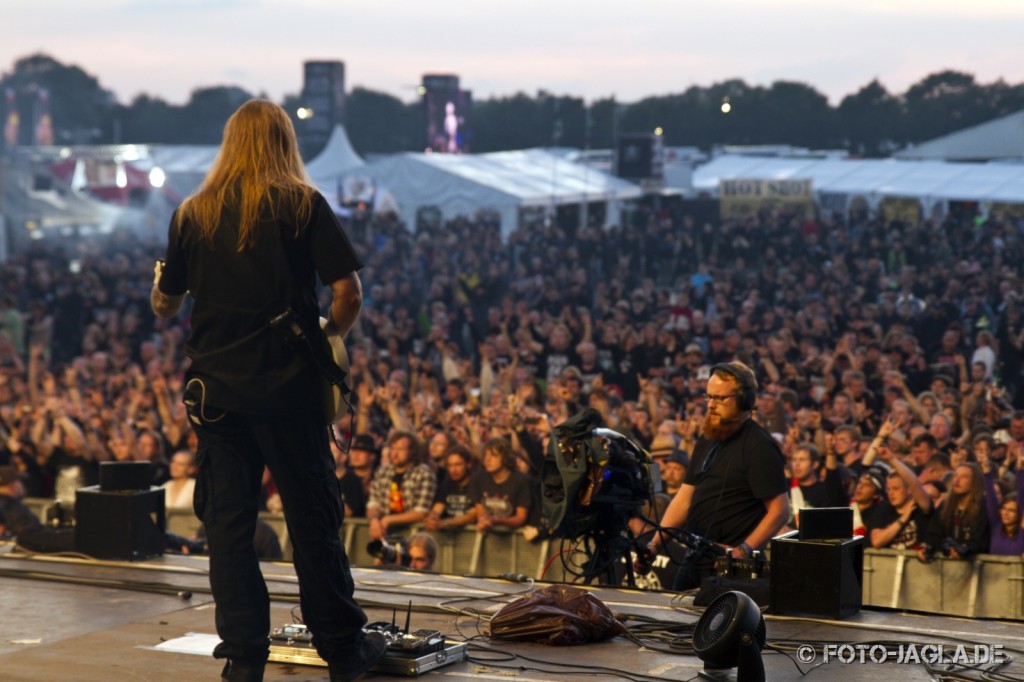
{"x":735,"y":490}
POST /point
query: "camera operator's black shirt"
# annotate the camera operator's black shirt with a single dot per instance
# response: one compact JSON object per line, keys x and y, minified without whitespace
{"x":246,"y":366}
{"x":728,"y":499}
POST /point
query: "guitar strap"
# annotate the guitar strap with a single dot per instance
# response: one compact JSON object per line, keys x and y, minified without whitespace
{"x":313,"y":342}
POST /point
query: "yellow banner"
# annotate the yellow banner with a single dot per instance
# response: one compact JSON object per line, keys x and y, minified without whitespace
{"x":1005,"y":211}
{"x":739,"y":198}
{"x":907,"y":211}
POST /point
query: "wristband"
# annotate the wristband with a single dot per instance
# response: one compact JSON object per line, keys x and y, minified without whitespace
{"x":747,"y":549}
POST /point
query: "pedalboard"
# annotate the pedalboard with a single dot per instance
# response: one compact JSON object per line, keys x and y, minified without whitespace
{"x":408,"y":653}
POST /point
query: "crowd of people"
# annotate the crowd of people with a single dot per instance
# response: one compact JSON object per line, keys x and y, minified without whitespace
{"x":888,"y":359}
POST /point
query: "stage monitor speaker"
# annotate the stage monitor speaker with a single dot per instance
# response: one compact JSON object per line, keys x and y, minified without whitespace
{"x":125,"y":475}
{"x":127,"y":526}
{"x":817,"y":578}
{"x":826,"y":523}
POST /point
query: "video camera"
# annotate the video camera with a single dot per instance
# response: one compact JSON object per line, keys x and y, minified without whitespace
{"x":390,"y":550}
{"x":593,"y":477}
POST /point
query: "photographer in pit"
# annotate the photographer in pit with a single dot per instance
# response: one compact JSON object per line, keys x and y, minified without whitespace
{"x":18,"y":521}
{"x":418,"y":553}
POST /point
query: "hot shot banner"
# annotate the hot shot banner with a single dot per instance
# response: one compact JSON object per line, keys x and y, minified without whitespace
{"x":739,"y":198}
{"x":903,"y":209}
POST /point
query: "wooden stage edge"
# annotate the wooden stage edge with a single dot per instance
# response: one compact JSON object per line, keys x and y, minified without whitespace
{"x":81,"y":620}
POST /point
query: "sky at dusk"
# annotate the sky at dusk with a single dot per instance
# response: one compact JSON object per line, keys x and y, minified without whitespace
{"x":596,"y":49}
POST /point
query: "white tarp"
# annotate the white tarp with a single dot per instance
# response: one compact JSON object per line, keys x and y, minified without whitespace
{"x":1001,"y":138}
{"x":931,"y":182}
{"x":184,"y":165}
{"x":505,"y":182}
{"x":336,"y":160}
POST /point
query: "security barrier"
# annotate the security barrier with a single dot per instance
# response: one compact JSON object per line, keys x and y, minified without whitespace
{"x":987,"y":587}
{"x":990,"y":586}
{"x":465,"y":551}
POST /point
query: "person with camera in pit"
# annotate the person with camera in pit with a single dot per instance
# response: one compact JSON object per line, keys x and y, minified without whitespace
{"x":735,"y":490}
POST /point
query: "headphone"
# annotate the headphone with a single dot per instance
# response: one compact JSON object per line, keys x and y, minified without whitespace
{"x":747,"y":397}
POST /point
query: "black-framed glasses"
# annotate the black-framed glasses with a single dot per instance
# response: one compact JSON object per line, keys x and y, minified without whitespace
{"x":718,"y":398}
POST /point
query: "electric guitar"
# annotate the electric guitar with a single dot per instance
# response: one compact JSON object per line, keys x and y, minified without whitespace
{"x":336,"y":395}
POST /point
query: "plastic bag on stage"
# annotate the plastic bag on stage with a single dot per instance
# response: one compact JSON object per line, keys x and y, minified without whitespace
{"x":559,"y":615}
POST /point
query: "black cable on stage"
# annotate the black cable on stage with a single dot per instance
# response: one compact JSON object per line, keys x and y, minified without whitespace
{"x":131,"y":585}
{"x":677,"y":635}
{"x":564,"y":668}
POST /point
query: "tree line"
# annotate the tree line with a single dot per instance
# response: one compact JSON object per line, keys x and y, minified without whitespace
{"x":871,"y":122}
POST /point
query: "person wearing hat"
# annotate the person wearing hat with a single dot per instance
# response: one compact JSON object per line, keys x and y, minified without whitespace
{"x":867,"y":497}
{"x":663,"y":445}
{"x":674,"y":471}
{"x":355,"y":483}
{"x":363,"y":457}
{"x":18,"y":521}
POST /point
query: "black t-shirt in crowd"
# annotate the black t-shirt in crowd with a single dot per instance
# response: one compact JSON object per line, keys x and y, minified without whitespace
{"x":912,"y":533}
{"x":352,"y":493}
{"x":827,"y":492}
{"x":246,"y":364}
{"x":456,"y":496}
{"x":501,"y":500}
{"x":728,"y":499}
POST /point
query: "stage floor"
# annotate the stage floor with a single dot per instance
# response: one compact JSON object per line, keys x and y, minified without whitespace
{"x":84,"y":621}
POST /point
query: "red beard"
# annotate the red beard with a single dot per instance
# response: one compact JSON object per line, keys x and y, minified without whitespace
{"x":713,"y":429}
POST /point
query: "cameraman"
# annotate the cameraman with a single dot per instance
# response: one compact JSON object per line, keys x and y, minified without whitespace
{"x":735,"y":490}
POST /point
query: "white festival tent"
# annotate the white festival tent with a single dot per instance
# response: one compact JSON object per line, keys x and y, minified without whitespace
{"x":838,"y":183}
{"x":1000,"y":138}
{"x":330,"y":166}
{"x":503,"y":182}
{"x":186,"y":165}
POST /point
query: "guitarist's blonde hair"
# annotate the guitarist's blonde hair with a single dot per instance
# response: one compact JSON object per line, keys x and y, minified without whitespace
{"x":257,"y":169}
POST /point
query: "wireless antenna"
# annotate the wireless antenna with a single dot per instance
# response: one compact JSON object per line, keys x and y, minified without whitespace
{"x":408,"y":615}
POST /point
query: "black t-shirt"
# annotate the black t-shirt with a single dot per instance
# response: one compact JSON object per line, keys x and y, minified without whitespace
{"x":456,"y":496}
{"x":352,"y":493}
{"x":555,"y":361}
{"x":827,"y":492}
{"x":912,"y":533}
{"x":246,"y":364}
{"x":501,"y":500}
{"x":728,"y":499}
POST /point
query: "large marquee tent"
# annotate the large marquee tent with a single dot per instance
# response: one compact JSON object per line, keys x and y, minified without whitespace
{"x":839,"y":183}
{"x":500,"y":182}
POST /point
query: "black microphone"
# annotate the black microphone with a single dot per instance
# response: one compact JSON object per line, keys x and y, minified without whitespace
{"x":515,"y":577}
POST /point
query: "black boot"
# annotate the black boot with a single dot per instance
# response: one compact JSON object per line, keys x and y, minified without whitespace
{"x":235,"y":671}
{"x":369,"y":653}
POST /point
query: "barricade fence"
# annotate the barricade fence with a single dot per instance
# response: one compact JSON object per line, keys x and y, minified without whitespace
{"x":989,"y":586}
